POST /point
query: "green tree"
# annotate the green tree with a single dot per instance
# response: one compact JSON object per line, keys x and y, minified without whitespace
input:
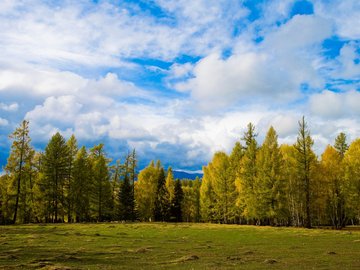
{"x":56,"y":170}
{"x":82,"y":186}
{"x":269,"y":185}
{"x":176,"y":202}
{"x":126,"y":195}
{"x":102,"y":198}
{"x":20,"y":158}
{"x":340,"y":144}
{"x":68,"y":185}
{"x":162,"y":203}
{"x":207,"y":197}
{"x":305,"y":162}
{"x":246,"y":179}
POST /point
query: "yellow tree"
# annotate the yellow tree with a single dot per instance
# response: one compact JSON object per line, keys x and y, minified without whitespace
{"x":145,"y":191}
{"x":333,"y":185}
{"x":352,"y":178}
{"x":269,"y":185}
{"x":305,"y":163}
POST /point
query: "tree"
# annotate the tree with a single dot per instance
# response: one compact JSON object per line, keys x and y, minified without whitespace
{"x":101,"y":199}
{"x":352,"y":180}
{"x":331,"y":169}
{"x":162,"y":203}
{"x":170,"y":184}
{"x":56,"y":170}
{"x":176,"y":202}
{"x":20,"y":156}
{"x":207,"y":197}
{"x":145,"y":192}
{"x":269,"y":185}
{"x":223,"y":185}
{"x":126,"y":199}
{"x":246,"y":178}
{"x":68,"y":186}
{"x":82,"y":186}
{"x":340,"y":144}
{"x":305,"y":161}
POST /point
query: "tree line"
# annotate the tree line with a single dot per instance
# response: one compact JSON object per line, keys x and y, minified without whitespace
{"x":268,"y":184}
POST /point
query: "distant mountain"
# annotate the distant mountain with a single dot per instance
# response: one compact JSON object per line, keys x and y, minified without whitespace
{"x":186,"y":175}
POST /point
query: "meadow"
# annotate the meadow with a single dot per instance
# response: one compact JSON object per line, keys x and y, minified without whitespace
{"x":175,"y":246}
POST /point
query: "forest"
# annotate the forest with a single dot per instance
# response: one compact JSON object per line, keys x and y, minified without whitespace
{"x":268,"y":184}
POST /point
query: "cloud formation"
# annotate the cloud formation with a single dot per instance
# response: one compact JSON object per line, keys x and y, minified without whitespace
{"x":175,"y":82}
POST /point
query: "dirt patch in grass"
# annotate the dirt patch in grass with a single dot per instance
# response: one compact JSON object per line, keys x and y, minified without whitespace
{"x":270,"y":261}
{"x":187,"y":258}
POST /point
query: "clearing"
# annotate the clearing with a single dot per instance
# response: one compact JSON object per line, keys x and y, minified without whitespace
{"x":175,"y":246}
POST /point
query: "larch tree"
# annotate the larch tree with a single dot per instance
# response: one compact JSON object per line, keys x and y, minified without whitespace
{"x":20,"y":156}
{"x":305,"y":162}
{"x":145,"y":192}
{"x":102,"y":199}
{"x":246,"y":179}
{"x":223,"y":186}
{"x":68,"y":186}
{"x":56,"y":170}
{"x":82,"y":186}
{"x":207,"y":197}
{"x":269,"y":185}
{"x":331,"y":169}
{"x":352,"y":180}
{"x":170,"y":183}
{"x":340,"y":144}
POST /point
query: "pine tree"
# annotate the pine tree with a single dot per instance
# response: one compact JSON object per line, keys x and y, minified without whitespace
{"x":176,"y":202}
{"x":162,"y":204}
{"x":305,"y":161}
{"x":126,"y":199}
{"x":56,"y":170}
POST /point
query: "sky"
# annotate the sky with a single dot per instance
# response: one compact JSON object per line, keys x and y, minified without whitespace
{"x":178,"y":80}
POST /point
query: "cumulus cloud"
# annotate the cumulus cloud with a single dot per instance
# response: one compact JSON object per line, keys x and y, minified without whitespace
{"x":274,"y":70}
{"x":330,"y":104}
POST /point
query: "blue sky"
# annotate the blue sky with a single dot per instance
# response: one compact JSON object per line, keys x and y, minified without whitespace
{"x":178,"y":80}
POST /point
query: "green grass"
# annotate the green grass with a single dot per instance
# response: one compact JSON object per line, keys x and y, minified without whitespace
{"x":177,"y":246}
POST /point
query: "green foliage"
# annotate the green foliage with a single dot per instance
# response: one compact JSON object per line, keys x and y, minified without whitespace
{"x":305,"y":164}
{"x":162,"y":198}
{"x":176,"y":202}
{"x":56,"y":170}
{"x":247,"y":176}
{"x":270,"y":203}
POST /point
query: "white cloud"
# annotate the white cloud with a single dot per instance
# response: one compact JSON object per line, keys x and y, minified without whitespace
{"x":13,"y":107}
{"x":3,"y":122}
{"x":329,"y":104}
{"x":344,"y":13}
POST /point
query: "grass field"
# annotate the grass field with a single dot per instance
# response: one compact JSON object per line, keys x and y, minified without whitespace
{"x":175,"y":246}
